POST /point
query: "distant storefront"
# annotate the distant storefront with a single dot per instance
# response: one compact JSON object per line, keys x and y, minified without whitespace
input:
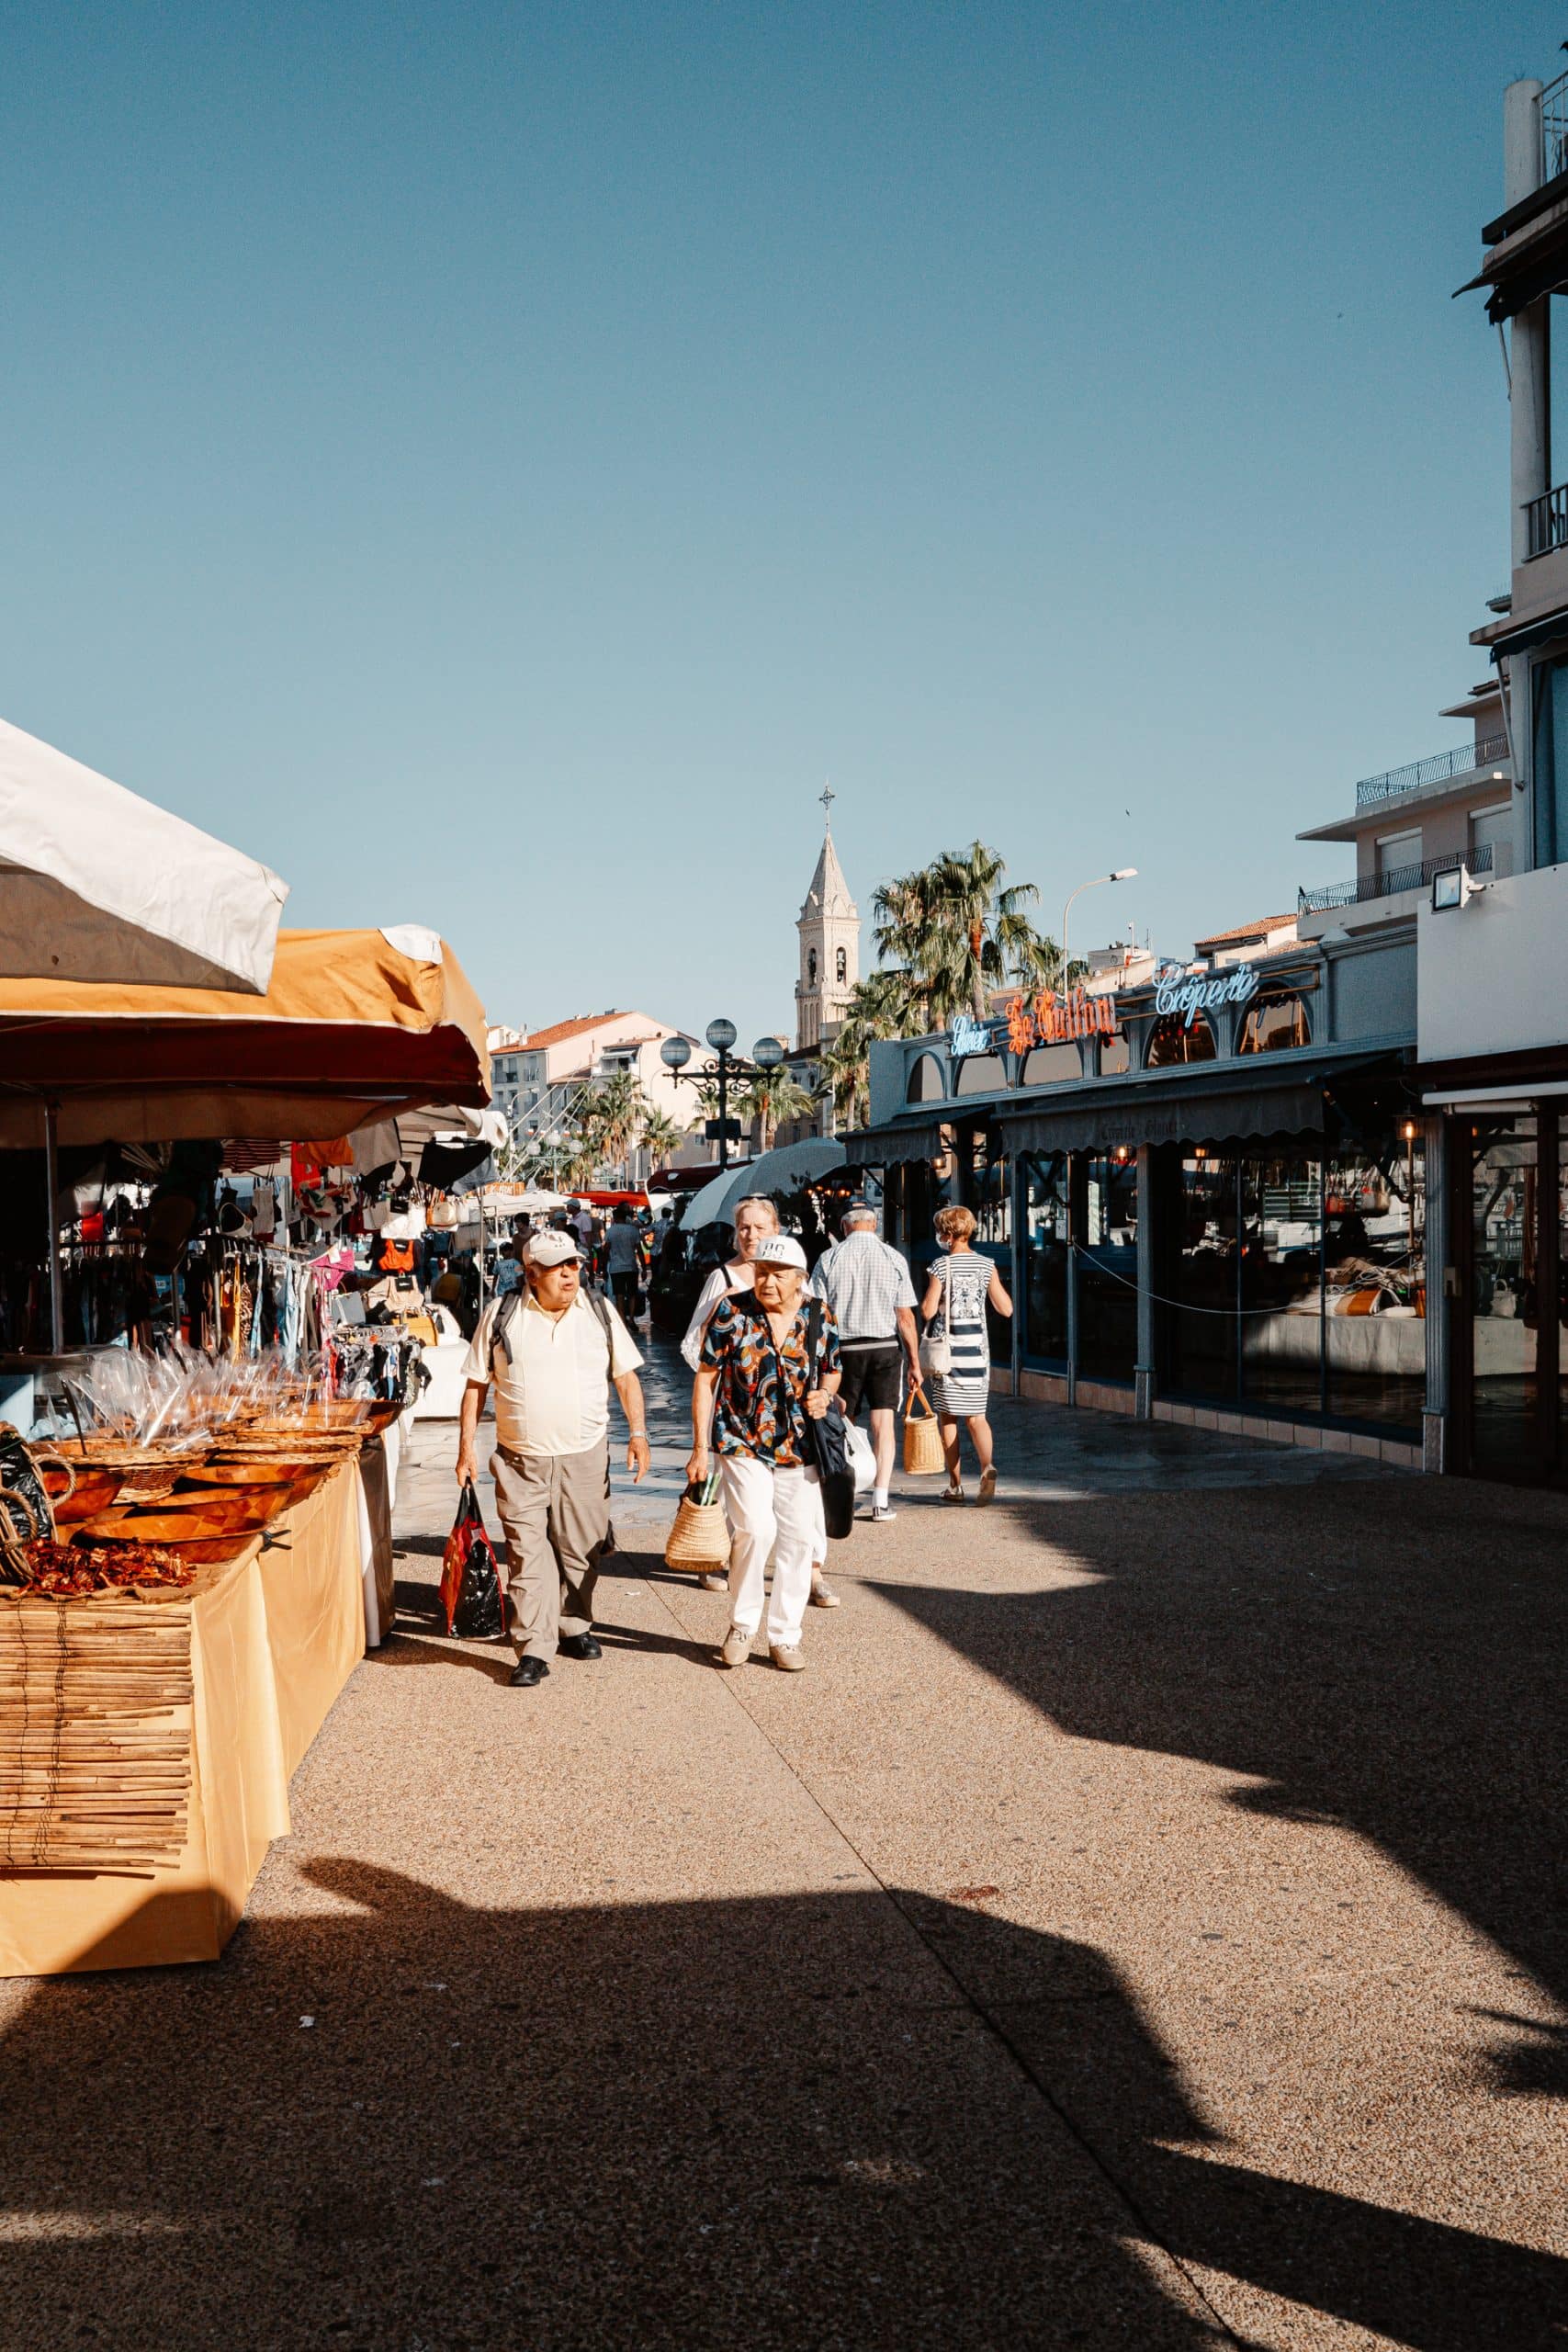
{"x":1208,"y":1193}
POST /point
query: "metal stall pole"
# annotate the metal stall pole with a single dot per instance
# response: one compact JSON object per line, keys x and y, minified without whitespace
{"x":52,"y":1185}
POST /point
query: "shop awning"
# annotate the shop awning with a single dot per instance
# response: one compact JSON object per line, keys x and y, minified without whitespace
{"x":98,"y":885}
{"x":1226,"y":1102}
{"x":881,"y":1147}
{"x":355,"y":1025}
{"x":1215,"y":1115}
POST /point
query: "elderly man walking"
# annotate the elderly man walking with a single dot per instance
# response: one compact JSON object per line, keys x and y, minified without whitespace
{"x":866,"y":1283}
{"x":552,"y":1353}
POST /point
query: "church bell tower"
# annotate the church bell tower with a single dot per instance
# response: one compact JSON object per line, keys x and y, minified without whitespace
{"x":830,"y":945}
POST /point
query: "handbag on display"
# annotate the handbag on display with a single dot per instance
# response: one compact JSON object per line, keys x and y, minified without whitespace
{"x":936,"y":1348}
{"x":442,"y":1214}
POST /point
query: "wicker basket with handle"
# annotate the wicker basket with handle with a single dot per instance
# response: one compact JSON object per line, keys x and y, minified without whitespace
{"x":700,"y":1537}
{"x":922,"y":1440}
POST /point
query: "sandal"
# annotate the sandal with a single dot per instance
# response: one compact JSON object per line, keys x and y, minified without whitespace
{"x":988,"y":1486}
{"x":953,"y":1492}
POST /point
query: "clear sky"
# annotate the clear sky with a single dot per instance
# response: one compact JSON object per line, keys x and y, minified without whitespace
{"x":492,"y":462}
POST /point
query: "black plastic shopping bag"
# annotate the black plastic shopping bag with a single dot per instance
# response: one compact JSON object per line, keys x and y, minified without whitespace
{"x":471,"y":1580}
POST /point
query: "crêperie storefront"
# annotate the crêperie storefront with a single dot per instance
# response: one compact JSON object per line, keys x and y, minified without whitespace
{"x":1207,"y":1191}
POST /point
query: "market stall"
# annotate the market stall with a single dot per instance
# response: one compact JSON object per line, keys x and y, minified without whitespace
{"x":196,"y":1547}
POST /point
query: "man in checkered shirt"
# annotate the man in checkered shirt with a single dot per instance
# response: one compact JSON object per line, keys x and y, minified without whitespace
{"x":866,"y":1283}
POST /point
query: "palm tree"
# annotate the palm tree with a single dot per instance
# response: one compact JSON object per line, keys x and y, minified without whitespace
{"x":957,"y":931}
{"x":659,"y":1135}
{"x":888,"y":1004}
{"x":772,"y":1098}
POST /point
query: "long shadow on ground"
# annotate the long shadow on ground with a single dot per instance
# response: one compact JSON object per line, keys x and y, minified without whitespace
{"x":1385,"y":1659}
{"x":769,"y":2122}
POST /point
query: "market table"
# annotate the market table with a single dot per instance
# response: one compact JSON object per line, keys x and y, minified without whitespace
{"x":146,"y":1746}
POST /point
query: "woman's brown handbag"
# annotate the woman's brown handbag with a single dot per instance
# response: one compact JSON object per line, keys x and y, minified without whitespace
{"x":700,"y":1537}
{"x":922,"y":1440}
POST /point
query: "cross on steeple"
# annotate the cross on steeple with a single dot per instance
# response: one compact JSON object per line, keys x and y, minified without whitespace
{"x":827,"y":796}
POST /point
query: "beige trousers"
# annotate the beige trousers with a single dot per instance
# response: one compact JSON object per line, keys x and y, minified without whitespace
{"x":555,"y":1512}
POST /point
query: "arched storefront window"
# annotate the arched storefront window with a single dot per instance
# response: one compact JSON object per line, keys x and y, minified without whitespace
{"x":1273,"y":1026}
{"x":1048,"y":1065}
{"x":981,"y":1074}
{"x":927,"y":1081}
{"x":1174,"y":1039}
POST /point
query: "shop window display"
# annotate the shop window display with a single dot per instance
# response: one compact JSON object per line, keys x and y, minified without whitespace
{"x":1174,"y":1039}
{"x":1050,"y":1065}
{"x":1297,"y":1284}
{"x":1504,"y":1296}
{"x":928,"y":1082}
{"x":1374,"y":1279}
{"x":1044,"y":1302}
{"x":1281,"y":1283}
{"x":1196,"y":1259}
{"x":1105,"y":1226}
{"x":1274,"y":1025}
{"x":981,"y":1074}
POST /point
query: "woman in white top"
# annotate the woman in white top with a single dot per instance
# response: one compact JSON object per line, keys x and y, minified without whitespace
{"x":755,"y":1218}
{"x":961,"y":1283}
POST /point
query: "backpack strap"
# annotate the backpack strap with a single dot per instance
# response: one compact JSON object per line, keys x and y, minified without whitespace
{"x":499,"y":1330}
{"x":509,"y":1306}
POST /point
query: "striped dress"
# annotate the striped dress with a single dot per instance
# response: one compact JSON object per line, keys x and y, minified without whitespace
{"x":966,"y":1389}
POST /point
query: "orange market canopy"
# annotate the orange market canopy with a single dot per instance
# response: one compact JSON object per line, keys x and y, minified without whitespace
{"x":96,"y":883}
{"x":355,"y":1025}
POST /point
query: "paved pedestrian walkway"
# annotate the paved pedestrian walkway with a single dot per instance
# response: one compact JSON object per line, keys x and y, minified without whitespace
{"x":1140,"y":1928}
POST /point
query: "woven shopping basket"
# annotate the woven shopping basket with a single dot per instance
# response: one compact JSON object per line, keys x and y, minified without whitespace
{"x":922,"y":1440}
{"x":700,"y":1537}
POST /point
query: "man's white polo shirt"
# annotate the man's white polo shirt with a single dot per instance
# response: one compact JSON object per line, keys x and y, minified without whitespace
{"x":554,"y":1397}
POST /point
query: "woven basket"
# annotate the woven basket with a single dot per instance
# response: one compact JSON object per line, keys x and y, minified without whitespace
{"x":922,"y":1441}
{"x":700,"y":1537}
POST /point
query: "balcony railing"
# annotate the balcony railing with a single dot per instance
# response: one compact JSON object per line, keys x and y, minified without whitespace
{"x":1394,"y":878}
{"x":1546,"y":522}
{"x":1554,"y":127}
{"x":1441,"y":768}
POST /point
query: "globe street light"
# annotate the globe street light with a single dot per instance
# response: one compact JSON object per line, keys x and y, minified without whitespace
{"x":766,"y":1054}
{"x":1122,"y":874}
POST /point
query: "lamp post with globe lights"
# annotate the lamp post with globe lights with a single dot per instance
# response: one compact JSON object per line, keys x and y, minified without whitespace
{"x":676,"y":1052}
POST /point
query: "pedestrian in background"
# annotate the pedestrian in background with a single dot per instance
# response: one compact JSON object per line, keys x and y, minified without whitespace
{"x":756,"y":1219}
{"x":866,"y":1283}
{"x":622,"y":1260}
{"x":961,"y":1283}
{"x":758,"y":1379}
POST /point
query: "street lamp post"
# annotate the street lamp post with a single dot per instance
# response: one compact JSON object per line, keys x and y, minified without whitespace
{"x":766,"y":1054}
{"x":1122,"y":874}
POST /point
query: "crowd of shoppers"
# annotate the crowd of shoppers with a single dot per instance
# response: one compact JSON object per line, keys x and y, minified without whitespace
{"x":778,"y":1353}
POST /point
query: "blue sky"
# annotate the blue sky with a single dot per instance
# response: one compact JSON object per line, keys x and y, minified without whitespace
{"x":494,"y":462}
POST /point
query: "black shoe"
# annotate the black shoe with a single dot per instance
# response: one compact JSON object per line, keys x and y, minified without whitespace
{"x":578,"y":1645}
{"x":527,"y":1672}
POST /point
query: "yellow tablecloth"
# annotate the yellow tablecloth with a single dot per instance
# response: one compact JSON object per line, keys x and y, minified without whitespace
{"x":273,"y":1639}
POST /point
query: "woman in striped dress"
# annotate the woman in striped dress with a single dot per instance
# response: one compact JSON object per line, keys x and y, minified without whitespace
{"x":954,"y":1307}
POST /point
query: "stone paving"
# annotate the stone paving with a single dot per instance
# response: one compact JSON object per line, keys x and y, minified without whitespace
{"x":1140,"y":1926}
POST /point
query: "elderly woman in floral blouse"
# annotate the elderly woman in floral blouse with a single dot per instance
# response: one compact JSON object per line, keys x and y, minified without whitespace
{"x":758,"y":1381}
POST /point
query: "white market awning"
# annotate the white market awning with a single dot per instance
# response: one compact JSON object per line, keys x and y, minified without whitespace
{"x":98,"y":885}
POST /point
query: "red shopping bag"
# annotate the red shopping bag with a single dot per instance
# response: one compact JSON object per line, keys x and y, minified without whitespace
{"x":471,"y":1580}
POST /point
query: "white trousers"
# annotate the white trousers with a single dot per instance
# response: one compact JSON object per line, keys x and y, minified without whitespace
{"x":770,"y":1510}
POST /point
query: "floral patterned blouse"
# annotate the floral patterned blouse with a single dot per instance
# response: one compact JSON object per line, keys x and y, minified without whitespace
{"x":750,"y":1415}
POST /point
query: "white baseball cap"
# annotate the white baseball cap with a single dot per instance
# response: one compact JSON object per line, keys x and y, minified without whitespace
{"x":780,"y":1249}
{"x":550,"y":1248}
